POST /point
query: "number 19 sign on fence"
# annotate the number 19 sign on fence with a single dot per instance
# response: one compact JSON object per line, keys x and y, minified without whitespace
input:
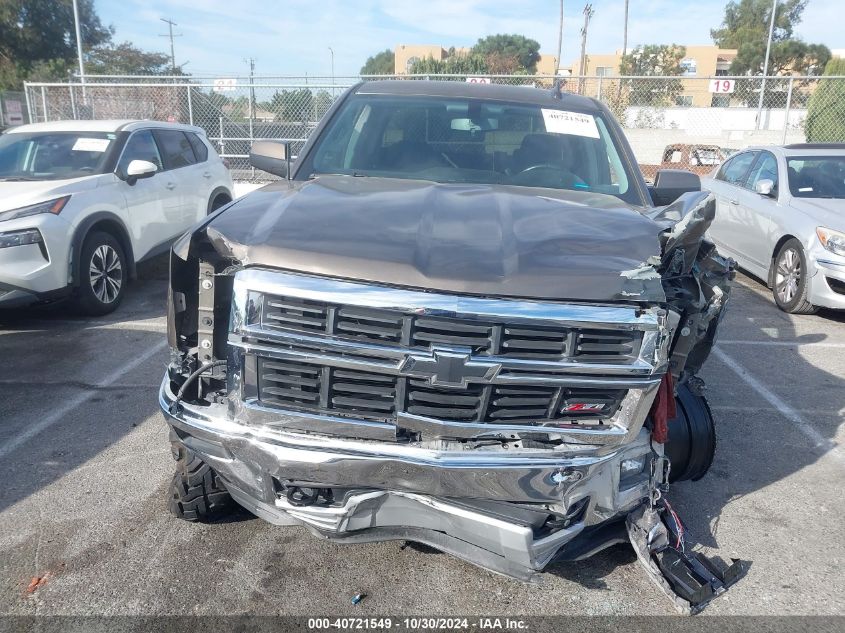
{"x":722,"y":86}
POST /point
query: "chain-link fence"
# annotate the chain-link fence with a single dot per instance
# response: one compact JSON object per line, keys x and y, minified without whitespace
{"x":683,"y":121}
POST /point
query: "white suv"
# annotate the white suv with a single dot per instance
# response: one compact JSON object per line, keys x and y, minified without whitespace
{"x":82,"y":202}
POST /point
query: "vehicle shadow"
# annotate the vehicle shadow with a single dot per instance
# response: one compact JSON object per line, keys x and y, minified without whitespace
{"x":73,"y":386}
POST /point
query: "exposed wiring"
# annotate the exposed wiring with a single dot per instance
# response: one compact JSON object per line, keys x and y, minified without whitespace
{"x":191,"y":378}
{"x":679,"y":527}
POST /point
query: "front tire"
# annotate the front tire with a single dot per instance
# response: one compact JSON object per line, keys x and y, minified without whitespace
{"x":103,"y":274}
{"x":196,"y":492}
{"x":789,"y":279}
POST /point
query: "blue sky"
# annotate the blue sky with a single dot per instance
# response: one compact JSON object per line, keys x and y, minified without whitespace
{"x":293,"y":36}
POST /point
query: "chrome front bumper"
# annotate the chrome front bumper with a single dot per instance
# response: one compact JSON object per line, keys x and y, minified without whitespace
{"x":480,"y":505}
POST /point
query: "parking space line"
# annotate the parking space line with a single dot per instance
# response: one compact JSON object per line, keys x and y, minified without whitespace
{"x":782,"y":407}
{"x":57,"y":415}
{"x":783,"y":343}
{"x":740,"y":409}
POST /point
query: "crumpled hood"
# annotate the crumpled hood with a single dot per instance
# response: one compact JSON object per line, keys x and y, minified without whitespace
{"x":463,"y":238}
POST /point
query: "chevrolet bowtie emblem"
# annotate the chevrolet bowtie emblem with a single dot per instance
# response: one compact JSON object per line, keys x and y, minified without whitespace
{"x":449,"y":368}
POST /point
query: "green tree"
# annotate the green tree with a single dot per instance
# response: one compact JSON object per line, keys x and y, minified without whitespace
{"x":35,"y":34}
{"x":653,"y":60}
{"x":826,"y":111}
{"x":292,"y":105}
{"x":126,"y":59}
{"x":453,"y":65}
{"x":523,"y":51}
{"x":745,"y":27}
{"x":383,"y":63}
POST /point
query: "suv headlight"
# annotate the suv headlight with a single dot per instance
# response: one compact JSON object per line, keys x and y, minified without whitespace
{"x":834,"y":241}
{"x":53,"y":206}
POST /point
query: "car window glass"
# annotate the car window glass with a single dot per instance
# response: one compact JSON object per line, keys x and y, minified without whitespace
{"x":447,"y":139}
{"x":764,"y":169}
{"x":175,"y":148}
{"x":200,"y":149}
{"x":53,"y":155}
{"x":735,"y":169}
{"x":816,"y":176}
{"x":140,"y":146}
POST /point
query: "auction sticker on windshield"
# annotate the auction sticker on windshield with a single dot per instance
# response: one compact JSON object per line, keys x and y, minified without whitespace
{"x":574,"y":123}
{"x":91,"y":145}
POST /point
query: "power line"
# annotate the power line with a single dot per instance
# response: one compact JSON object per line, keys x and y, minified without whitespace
{"x":171,"y":35}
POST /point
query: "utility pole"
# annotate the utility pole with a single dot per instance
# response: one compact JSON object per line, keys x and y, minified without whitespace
{"x":582,"y":70}
{"x":624,"y":50}
{"x":331,"y":50}
{"x":766,"y":63}
{"x":171,"y":24}
{"x":251,"y":62}
{"x":625,"y":32}
{"x":559,"y":39}
{"x":78,"y":30}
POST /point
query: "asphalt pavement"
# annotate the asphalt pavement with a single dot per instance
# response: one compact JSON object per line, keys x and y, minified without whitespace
{"x":85,"y":466}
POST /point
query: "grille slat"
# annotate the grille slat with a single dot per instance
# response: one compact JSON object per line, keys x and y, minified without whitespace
{"x":380,"y":325}
{"x":520,"y":403}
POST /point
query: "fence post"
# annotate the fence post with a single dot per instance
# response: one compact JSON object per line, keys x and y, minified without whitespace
{"x":598,"y":89}
{"x":788,"y":107}
{"x":28,"y":101}
{"x":190,"y":106}
{"x":222,"y":142}
{"x":72,"y":101}
{"x":44,"y":101}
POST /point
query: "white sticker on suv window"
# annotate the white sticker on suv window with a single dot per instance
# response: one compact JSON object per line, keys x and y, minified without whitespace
{"x":91,"y":145}
{"x":575,"y":123}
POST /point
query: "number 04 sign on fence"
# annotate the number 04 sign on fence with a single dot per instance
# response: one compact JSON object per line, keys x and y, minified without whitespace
{"x":722,"y":86}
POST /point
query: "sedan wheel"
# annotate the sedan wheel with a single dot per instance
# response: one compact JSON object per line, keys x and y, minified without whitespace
{"x":787,"y":275}
{"x":789,"y":279}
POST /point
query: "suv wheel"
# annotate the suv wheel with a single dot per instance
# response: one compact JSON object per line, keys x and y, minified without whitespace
{"x":103,"y":274}
{"x":789,"y":279}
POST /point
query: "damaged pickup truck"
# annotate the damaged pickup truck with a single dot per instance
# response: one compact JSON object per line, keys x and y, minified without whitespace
{"x":461,"y":321}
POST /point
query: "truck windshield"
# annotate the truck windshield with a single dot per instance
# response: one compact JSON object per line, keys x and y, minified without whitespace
{"x":459,"y":140}
{"x":816,"y":176}
{"x":52,"y":155}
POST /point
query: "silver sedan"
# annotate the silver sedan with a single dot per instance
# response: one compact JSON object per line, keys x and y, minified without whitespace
{"x":780,"y":213}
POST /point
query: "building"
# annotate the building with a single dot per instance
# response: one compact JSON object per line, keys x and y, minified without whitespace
{"x":700,"y":64}
{"x":407,"y":54}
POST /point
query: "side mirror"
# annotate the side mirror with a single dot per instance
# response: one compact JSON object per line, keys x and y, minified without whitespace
{"x":765,"y":187}
{"x":138,"y":169}
{"x":272,"y":157}
{"x":669,"y":184}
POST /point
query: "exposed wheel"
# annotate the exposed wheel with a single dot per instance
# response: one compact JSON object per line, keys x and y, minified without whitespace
{"x":692,"y":437}
{"x":789,"y":279}
{"x":196,"y":492}
{"x":103,"y":274}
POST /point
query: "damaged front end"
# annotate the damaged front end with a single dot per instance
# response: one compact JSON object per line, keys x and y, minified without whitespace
{"x":508,"y":432}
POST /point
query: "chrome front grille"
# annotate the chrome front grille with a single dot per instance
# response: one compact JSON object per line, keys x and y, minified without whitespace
{"x":390,"y":327}
{"x":378,"y":396}
{"x":365,"y":359}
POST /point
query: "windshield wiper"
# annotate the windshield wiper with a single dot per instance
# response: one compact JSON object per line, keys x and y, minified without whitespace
{"x":19,"y":179}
